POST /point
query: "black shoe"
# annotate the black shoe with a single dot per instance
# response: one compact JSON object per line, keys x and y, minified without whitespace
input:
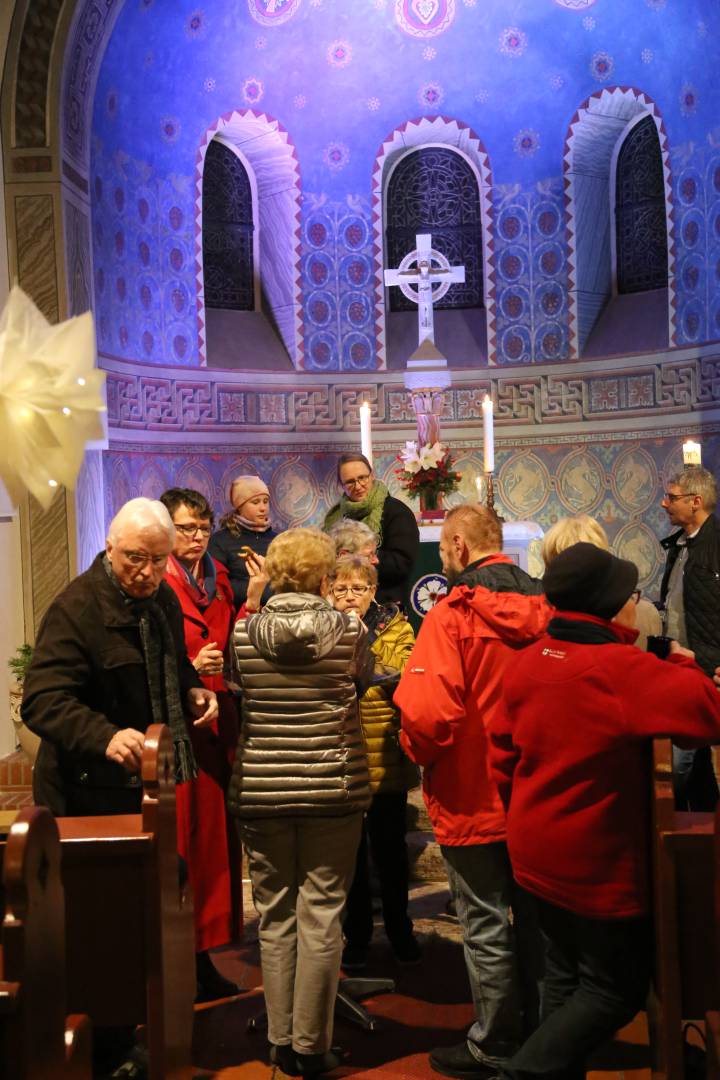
{"x":319,"y":1064}
{"x":136,"y":1067}
{"x":354,"y":957}
{"x":460,"y":1062}
{"x":284,"y":1057}
{"x":407,"y":950}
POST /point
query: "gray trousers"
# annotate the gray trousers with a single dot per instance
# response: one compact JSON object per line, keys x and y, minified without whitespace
{"x":301,"y":870}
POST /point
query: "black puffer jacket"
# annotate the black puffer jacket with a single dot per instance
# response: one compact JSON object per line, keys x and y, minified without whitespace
{"x":301,"y":666}
{"x":701,"y":590}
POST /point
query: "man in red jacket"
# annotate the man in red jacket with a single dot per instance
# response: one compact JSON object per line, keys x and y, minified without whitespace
{"x":448,"y":694}
{"x":571,"y":757}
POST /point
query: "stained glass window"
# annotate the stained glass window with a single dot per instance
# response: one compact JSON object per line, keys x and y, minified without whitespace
{"x":640,"y":221}
{"x":434,"y":190}
{"x":227,"y":224}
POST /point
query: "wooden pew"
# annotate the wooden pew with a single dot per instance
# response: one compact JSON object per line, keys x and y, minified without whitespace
{"x":131,"y":950}
{"x":129,"y":925}
{"x":683,"y":888}
{"x":37,"y":1041}
{"x":712,"y":1016}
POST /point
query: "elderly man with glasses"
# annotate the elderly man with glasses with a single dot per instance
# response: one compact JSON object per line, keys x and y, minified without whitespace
{"x":690,"y":594}
{"x":110,"y":660}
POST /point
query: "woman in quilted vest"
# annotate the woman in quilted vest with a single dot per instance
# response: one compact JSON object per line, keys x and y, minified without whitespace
{"x":299,"y":789}
{"x":391,"y":773}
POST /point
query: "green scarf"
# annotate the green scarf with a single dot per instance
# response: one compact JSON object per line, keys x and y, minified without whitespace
{"x":369,"y":510}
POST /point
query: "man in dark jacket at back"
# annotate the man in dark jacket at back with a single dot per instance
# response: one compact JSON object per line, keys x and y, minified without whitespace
{"x":690,"y":594}
{"x":447,"y":696}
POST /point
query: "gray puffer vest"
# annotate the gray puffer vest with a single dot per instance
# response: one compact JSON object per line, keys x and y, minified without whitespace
{"x":301,"y":666}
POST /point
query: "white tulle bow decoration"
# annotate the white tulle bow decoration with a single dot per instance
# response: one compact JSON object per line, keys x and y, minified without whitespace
{"x":51,"y":398}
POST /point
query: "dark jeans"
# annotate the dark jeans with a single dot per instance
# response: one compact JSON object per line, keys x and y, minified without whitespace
{"x":597,"y":974}
{"x":694,"y":784}
{"x":383,"y":838}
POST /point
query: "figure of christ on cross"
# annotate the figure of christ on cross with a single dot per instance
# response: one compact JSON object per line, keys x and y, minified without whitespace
{"x":432,"y":281}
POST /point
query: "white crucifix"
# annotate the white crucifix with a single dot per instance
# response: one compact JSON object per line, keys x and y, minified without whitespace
{"x":424,"y":276}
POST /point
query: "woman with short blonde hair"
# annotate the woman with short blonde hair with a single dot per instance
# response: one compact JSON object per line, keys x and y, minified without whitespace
{"x":298,"y":560}
{"x":573,"y":530}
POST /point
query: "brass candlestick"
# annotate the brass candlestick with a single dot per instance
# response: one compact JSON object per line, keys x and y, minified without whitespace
{"x":490,"y":495}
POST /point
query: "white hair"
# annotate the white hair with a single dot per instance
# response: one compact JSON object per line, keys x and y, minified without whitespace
{"x":143,"y":514}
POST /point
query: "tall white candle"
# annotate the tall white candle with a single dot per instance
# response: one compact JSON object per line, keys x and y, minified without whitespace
{"x":691,"y":453}
{"x":488,"y":444}
{"x":365,"y":432}
{"x":478,"y":487}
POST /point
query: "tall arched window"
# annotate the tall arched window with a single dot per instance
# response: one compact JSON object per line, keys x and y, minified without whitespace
{"x":640,"y":218}
{"x":227,"y":226}
{"x":435,"y":190}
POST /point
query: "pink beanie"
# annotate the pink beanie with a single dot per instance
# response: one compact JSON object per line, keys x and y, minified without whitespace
{"x":244,"y":488}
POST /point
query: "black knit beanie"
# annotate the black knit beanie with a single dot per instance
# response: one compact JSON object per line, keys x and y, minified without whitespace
{"x":585,"y":578}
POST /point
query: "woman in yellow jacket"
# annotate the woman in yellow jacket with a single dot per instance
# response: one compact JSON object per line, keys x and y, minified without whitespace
{"x":391,"y":773}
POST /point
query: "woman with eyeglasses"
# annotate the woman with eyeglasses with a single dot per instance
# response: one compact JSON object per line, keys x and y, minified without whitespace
{"x":246,"y":526}
{"x":206,"y":841}
{"x":392,"y":774}
{"x":367,"y":499}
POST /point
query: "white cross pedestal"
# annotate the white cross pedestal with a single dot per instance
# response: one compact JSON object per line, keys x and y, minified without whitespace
{"x":424,"y":276}
{"x":426,"y":283}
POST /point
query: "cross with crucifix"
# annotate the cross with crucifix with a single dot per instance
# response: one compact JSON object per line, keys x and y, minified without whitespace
{"x":432,"y":281}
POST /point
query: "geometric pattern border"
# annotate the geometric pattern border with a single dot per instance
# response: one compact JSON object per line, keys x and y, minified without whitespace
{"x":215,"y":402}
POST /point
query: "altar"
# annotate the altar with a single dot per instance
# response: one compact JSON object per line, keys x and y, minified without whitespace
{"x":428,"y":583}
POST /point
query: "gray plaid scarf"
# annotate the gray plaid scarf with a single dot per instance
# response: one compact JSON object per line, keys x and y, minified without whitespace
{"x":158,"y":646}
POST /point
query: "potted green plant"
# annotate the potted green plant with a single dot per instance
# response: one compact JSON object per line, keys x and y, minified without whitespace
{"x":19,"y":663}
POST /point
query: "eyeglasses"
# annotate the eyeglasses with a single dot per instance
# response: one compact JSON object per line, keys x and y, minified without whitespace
{"x":636,"y":595}
{"x":192,"y":530}
{"x":356,"y":481}
{"x":139,"y":558}
{"x":341,"y":591}
{"x":670,"y":497}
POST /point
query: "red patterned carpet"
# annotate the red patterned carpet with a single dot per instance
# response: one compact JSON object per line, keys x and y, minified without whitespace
{"x":429,"y":1008}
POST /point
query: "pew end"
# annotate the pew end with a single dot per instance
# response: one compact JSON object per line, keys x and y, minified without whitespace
{"x":36,"y":1039}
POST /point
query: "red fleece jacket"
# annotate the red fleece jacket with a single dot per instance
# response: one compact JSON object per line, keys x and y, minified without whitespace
{"x":447,"y":695}
{"x":571,"y":756}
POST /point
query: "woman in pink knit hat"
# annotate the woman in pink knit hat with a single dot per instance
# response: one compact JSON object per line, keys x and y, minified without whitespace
{"x":246,"y":526}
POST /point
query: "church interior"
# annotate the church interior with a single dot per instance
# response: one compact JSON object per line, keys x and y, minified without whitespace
{"x":223,"y":185}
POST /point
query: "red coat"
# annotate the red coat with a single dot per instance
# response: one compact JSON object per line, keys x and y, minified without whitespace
{"x":571,"y":757}
{"x":448,"y":694}
{"x":206,"y":840}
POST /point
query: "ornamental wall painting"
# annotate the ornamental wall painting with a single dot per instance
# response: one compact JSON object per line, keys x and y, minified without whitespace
{"x":424,"y":18}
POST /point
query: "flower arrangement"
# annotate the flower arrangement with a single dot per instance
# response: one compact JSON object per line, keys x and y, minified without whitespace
{"x":427,"y":472}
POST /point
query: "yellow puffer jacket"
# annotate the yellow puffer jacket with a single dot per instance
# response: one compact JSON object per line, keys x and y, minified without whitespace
{"x":390,"y":769}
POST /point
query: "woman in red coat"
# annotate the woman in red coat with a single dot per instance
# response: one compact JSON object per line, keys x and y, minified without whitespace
{"x":206,"y":840}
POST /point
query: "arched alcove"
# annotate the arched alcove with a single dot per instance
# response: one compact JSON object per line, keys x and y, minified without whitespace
{"x":596,"y":133}
{"x":468,"y":340}
{"x":275,"y":329}
{"x":228,"y":238}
